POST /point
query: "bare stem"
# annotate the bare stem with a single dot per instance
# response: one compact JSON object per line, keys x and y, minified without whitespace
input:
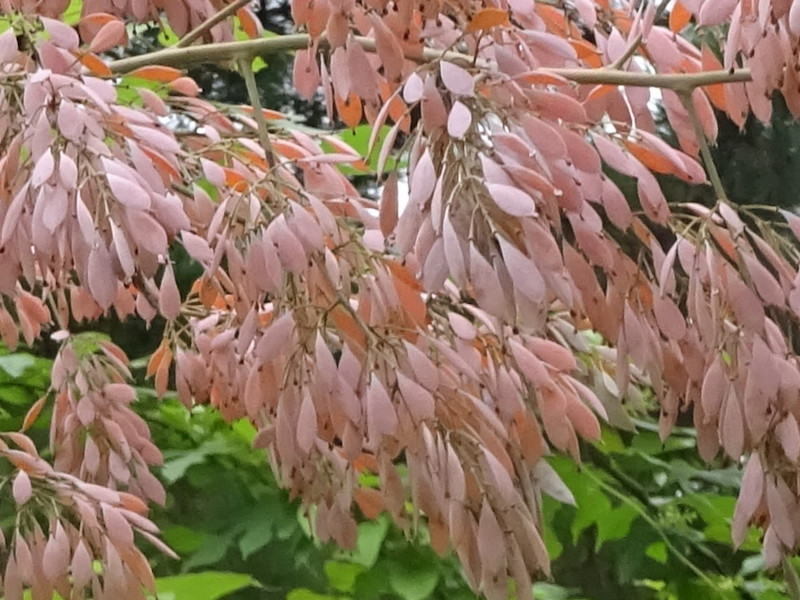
{"x":630,"y":51}
{"x":249,"y":49}
{"x":669,"y":81}
{"x":634,"y":46}
{"x":246,"y":69}
{"x":705,"y":151}
{"x":209,"y":23}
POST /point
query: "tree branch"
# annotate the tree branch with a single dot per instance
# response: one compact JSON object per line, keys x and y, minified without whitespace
{"x":209,"y":23}
{"x":705,"y":151}
{"x":634,"y":46}
{"x":249,"y":49}
{"x":246,"y":69}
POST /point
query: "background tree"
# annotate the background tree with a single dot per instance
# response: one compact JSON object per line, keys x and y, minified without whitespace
{"x":436,"y":353}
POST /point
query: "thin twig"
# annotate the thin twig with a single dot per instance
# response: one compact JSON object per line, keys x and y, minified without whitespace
{"x":209,"y":23}
{"x":246,"y":69}
{"x":249,"y":49}
{"x":630,"y":51}
{"x":634,"y":46}
{"x":705,"y":151}
{"x":610,"y":489}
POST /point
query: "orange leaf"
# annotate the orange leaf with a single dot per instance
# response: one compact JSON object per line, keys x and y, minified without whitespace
{"x":398,"y":111}
{"x":542,"y":78}
{"x":350,"y":330}
{"x":95,"y":64}
{"x":623,"y":22}
{"x":349,"y":110}
{"x":645,"y":293}
{"x":679,"y":17}
{"x":345,"y":148}
{"x":115,"y":350}
{"x":289,"y":149}
{"x":553,"y":18}
{"x":89,"y":25}
{"x":250,"y":25}
{"x":155,"y":360}
{"x":370,"y":502}
{"x":583,"y":48}
{"x":157,"y":73}
{"x":587,"y":52}
{"x":642,"y":232}
{"x":724,"y":241}
{"x":599,"y":91}
{"x":530,"y":437}
{"x":366,"y":462}
{"x":162,"y":373}
{"x":97,"y":19}
{"x":651,"y":160}
{"x":132,"y":503}
{"x":401,"y":273}
{"x":185,"y":86}
{"x":235,"y":180}
{"x":413,"y":306}
{"x":269,"y":114}
{"x":208,"y":292}
{"x":253,"y":158}
{"x":33,"y":413}
{"x":715,"y":93}
{"x":162,"y":165}
{"x":110,"y":35}
{"x":487,"y":18}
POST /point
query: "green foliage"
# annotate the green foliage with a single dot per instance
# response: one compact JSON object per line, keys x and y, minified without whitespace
{"x":210,"y":585}
{"x":226,"y":512}
{"x":23,"y":379}
{"x":761,"y":164}
{"x":651,"y":521}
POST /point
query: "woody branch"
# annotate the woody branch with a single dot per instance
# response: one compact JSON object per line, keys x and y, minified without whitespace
{"x":249,"y":49}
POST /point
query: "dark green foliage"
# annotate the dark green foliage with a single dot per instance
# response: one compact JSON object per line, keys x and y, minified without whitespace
{"x":762,"y":164}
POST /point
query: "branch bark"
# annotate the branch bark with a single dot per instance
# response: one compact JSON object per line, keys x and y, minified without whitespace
{"x":249,"y":49}
{"x":705,"y":151}
{"x":210,"y":22}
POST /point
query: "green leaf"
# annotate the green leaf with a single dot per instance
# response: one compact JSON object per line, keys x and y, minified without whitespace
{"x":306,"y":594}
{"x":716,"y":510}
{"x":209,"y":585}
{"x":372,"y":583}
{"x":658,"y":552}
{"x":258,"y":535}
{"x":184,"y":540}
{"x":244,"y":429}
{"x":752,"y":564}
{"x":615,"y":525}
{"x":358,"y":139}
{"x":589,"y":511}
{"x":551,"y":541}
{"x":343,"y":575}
{"x":413,"y":580}
{"x":611,"y":441}
{"x":212,"y":551}
{"x":176,"y":468}
{"x":15,"y":394}
{"x":370,"y":538}
{"x":167,"y":37}
{"x":73,"y":13}
{"x":16,"y":364}
{"x":792,"y":579}
{"x":548,"y":591}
